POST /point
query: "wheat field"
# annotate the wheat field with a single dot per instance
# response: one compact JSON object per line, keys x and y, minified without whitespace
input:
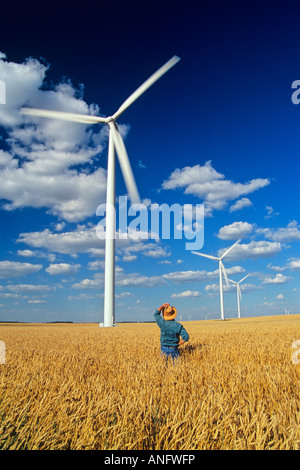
{"x":81,"y":387}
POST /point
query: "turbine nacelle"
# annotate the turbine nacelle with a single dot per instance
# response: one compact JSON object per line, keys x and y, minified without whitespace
{"x":110,"y":119}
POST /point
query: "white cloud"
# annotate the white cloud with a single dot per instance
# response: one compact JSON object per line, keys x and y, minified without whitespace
{"x":22,"y":81}
{"x":94,"y":283}
{"x":155,"y":252}
{"x":25,"y":253}
{"x":29,"y":287}
{"x":179,"y":277}
{"x":186,"y":293}
{"x":293,"y":263}
{"x":280,"y":297}
{"x":129,"y":258}
{"x":278,"y":279}
{"x":96,"y":265}
{"x":11,"y":269}
{"x":240,"y":204}
{"x":284,"y":234}
{"x":42,"y":166}
{"x":82,"y":240}
{"x":231,"y":287}
{"x":38,"y":254}
{"x":138,"y":280}
{"x":62,"y":268}
{"x":276,"y":268}
{"x":210,"y":186}
{"x":270,"y":212}
{"x":235,"y":230}
{"x":122,"y":280}
{"x":216,"y":288}
{"x":252,"y":250}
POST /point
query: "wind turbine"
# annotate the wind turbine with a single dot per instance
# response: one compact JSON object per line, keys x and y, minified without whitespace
{"x":221,"y":271}
{"x":286,"y":311}
{"x":115,"y":144}
{"x":238,"y":293}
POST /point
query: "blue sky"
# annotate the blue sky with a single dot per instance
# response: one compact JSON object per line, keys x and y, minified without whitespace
{"x":220,"y":128}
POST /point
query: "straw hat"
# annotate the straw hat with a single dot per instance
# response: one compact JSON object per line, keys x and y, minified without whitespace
{"x":169,"y":313}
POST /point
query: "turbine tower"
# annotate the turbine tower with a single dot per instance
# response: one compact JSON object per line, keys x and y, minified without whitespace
{"x":238,"y":293}
{"x":221,"y":271}
{"x":115,"y":144}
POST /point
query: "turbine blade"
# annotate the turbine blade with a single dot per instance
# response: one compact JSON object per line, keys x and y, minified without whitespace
{"x":230,"y":280}
{"x":125,"y":164}
{"x":139,"y":91}
{"x":86,"y":119}
{"x":206,"y":256}
{"x":244,"y":278}
{"x":224,"y":273}
{"x":229,"y":249}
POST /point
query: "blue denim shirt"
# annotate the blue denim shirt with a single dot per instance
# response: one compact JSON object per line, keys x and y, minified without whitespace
{"x":170,"y":331}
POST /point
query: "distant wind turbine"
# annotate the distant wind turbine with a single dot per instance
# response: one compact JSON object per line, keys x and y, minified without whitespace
{"x":238,"y":293}
{"x":115,"y":143}
{"x":287,"y":312}
{"x":222,"y":271}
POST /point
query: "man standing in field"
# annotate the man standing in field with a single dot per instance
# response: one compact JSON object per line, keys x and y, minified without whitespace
{"x":170,"y":331}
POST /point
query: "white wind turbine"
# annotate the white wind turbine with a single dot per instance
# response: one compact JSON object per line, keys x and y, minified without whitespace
{"x":115,"y":143}
{"x":238,"y":293}
{"x":222,"y":271}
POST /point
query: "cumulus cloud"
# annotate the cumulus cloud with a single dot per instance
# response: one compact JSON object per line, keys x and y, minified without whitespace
{"x":276,"y":268}
{"x":240,"y":204}
{"x":62,"y":268}
{"x":45,"y":164}
{"x":283,"y":234}
{"x":293,"y":263}
{"x":211,"y":186}
{"x":270,"y":212}
{"x":123,"y":279}
{"x":11,"y":269}
{"x":252,"y":250}
{"x":278,"y":279}
{"x":29,"y":287}
{"x":94,"y":283}
{"x":186,"y":293}
{"x":138,"y":280}
{"x":36,"y":254}
{"x":231,"y":287}
{"x":82,"y":240}
{"x":179,"y":277}
{"x":235,"y":230}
